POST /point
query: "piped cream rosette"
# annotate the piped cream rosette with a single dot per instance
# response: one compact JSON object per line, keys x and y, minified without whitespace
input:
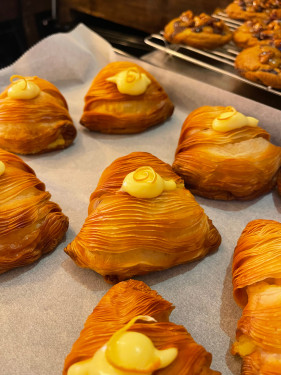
{"x":144,"y":182}
{"x":126,"y":353}
{"x":232,"y":119}
{"x":130,"y":81}
{"x":23,"y":88}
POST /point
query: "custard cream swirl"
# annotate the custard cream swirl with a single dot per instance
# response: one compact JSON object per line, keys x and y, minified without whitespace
{"x":144,"y":182}
{"x":130,"y":81}
{"x":126,"y":353}
{"x":23,"y":88}
{"x":232,"y":119}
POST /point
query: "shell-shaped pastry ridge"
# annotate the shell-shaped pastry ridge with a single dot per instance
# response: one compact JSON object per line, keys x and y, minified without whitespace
{"x":257,"y":289}
{"x":125,"y":236}
{"x":120,"y":304}
{"x":237,"y":164}
{"x":30,"y":224}
{"x":109,"y":111}
{"x":37,"y":125}
{"x":257,"y":256}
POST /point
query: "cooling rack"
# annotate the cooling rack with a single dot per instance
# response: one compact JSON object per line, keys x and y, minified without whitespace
{"x":220,"y":60}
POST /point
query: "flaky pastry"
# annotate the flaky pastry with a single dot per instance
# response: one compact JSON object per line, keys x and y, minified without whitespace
{"x":133,"y":231}
{"x":30,"y":224}
{"x":122,"y":303}
{"x":125,"y":98}
{"x":256,"y":276}
{"x":227,"y":163}
{"x":34,"y":117}
{"x":201,"y":31}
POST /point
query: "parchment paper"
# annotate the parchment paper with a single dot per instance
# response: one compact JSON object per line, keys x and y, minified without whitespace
{"x":44,"y":306}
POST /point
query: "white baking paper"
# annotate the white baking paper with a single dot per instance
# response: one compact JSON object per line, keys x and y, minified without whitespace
{"x":44,"y":306}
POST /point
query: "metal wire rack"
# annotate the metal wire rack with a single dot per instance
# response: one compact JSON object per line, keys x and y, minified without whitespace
{"x":220,"y":60}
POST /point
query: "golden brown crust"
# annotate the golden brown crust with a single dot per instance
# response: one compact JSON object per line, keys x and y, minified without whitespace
{"x":257,"y":256}
{"x":107,"y":110}
{"x":30,"y":224}
{"x":247,"y":9}
{"x":256,"y":277}
{"x":261,"y":316}
{"x":219,"y":165}
{"x":244,"y":37}
{"x":260,"y":64}
{"x":125,"y":236}
{"x":34,"y":125}
{"x":260,"y":326}
{"x":125,"y":301}
{"x":201,"y":31}
{"x":261,"y":363}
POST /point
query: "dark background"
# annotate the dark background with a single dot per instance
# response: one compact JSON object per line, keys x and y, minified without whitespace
{"x":124,"y":23}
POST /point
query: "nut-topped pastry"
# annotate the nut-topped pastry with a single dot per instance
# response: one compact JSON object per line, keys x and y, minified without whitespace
{"x":255,"y":32}
{"x":262,"y":64}
{"x":129,"y":333}
{"x":256,"y":280}
{"x":223,"y":154}
{"x":201,"y":31}
{"x":34,"y":117}
{"x":141,"y":219}
{"x":250,"y":9}
{"x":30,"y":224}
{"x":125,"y":98}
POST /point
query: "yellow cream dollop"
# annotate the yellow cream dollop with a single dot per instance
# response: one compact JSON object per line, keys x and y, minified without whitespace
{"x":130,"y":81}
{"x":144,"y":182}
{"x":23,"y":88}
{"x":60,"y":141}
{"x":231,"y":119}
{"x":126,"y":353}
{"x":2,"y":168}
{"x":244,"y":346}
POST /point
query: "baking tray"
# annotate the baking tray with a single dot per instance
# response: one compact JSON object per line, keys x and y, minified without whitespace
{"x":220,"y":60}
{"x":43,"y":306}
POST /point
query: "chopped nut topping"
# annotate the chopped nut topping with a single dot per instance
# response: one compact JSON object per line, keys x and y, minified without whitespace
{"x":258,"y":5}
{"x":265,"y":29}
{"x":187,"y":18}
{"x":277,"y":43}
{"x":197,"y":23}
{"x":265,"y":56}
